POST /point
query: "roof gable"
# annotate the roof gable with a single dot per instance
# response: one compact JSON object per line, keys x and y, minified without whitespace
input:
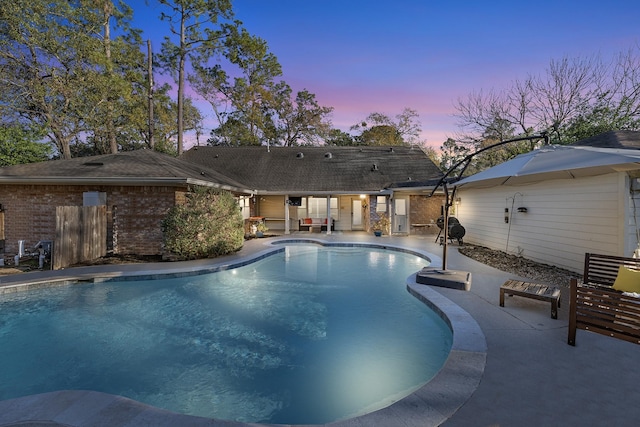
{"x":626,"y":139}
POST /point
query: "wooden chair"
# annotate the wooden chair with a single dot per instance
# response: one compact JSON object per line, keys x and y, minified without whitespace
{"x":595,"y":306}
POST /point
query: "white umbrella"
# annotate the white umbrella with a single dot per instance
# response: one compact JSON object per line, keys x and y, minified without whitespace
{"x":555,"y":162}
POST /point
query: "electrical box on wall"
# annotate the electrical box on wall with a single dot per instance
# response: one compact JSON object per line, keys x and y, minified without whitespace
{"x":94,"y":198}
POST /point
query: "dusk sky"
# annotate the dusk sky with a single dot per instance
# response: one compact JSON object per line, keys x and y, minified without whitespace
{"x":370,"y":56}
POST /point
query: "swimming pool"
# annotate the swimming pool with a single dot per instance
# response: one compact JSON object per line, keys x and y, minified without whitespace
{"x":188,"y":344}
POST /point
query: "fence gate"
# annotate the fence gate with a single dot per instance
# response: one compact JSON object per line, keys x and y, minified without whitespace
{"x":81,"y":235}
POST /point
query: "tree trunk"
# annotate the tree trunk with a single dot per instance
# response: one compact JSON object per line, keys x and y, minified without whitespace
{"x":111,"y":133}
{"x":181,"y":83}
{"x":62,"y":143}
{"x":150,"y":90}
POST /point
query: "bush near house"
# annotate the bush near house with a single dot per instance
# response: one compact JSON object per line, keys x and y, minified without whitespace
{"x":208,"y":225}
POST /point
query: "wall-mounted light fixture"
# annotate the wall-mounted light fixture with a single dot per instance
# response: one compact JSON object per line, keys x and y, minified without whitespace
{"x":458,"y":201}
{"x":522,"y":210}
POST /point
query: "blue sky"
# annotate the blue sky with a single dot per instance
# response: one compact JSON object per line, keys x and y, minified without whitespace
{"x":368,"y":56}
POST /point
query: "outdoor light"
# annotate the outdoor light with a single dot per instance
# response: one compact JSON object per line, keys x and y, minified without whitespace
{"x":458,"y":200}
{"x":522,"y":209}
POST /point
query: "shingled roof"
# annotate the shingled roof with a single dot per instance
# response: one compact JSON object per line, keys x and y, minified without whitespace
{"x":302,"y":170}
{"x":140,"y":167}
{"x":626,"y":139}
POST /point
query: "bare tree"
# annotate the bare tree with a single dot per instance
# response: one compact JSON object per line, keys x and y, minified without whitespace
{"x":564,"y":90}
{"x":520,"y":100}
{"x":572,"y":99}
{"x":547,"y":101}
{"x":483,"y":113}
{"x":622,"y":96}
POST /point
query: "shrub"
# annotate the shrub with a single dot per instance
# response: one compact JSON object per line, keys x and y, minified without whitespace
{"x":208,"y":225}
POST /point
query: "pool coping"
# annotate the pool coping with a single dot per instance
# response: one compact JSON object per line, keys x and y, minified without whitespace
{"x":431,"y":404}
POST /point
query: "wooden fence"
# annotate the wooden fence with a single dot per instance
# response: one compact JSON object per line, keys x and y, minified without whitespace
{"x":81,"y":235}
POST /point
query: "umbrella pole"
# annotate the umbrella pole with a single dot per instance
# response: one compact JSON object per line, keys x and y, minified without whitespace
{"x":442,"y":277}
{"x":448,"y":201}
{"x":445,"y":225}
{"x":457,"y":279}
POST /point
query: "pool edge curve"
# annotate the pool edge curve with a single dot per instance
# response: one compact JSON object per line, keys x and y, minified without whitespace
{"x":429,"y":405}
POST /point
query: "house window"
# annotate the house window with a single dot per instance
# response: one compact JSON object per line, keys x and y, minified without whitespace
{"x":381,"y":203}
{"x":245,"y":206}
{"x":316,"y":207}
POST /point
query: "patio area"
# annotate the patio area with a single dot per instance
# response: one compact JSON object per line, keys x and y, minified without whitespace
{"x":532,"y":377}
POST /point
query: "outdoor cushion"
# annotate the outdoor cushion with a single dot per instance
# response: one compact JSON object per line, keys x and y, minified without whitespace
{"x":627,"y":280}
{"x":307,"y":220}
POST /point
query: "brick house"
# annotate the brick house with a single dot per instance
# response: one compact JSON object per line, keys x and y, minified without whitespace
{"x":283,"y":185}
{"x":138,"y":188}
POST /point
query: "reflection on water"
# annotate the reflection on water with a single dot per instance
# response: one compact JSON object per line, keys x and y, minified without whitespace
{"x":309,"y":335}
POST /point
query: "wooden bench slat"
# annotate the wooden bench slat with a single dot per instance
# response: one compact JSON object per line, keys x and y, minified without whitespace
{"x":608,"y":330}
{"x":613,"y":322}
{"x":631,"y":338}
{"x":613,"y":309}
{"x":534,"y":291}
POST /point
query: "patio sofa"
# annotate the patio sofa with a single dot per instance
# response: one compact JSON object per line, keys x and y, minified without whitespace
{"x":608,"y":300}
{"x":306,"y":224}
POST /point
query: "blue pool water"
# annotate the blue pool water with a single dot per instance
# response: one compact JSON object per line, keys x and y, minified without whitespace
{"x":306,"y":336}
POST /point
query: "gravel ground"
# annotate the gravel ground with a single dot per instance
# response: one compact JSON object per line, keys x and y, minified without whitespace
{"x":535,"y":271}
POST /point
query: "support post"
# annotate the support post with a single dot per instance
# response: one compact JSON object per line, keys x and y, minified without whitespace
{"x":329,"y":214}
{"x":286,"y":214}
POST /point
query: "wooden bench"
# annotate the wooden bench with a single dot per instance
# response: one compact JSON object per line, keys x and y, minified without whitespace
{"x":595,"y":306}
{"x":532,"y":290}
{"x":309,"y":224}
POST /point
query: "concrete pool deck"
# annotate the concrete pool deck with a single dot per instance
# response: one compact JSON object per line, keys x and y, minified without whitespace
{"x":529,"y":375}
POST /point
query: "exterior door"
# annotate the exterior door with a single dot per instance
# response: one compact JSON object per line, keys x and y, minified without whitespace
{"x":356,"y":214}
{"x":400,"y":216}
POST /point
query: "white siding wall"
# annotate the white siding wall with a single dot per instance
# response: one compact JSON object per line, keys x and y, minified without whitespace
{"x":565,"y":219}
{"x":272,"y":206}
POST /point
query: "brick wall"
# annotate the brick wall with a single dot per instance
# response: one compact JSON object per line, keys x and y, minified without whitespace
{"x":136,"y":214}
{"x":425,"y":210}
{"x":137,"y":217}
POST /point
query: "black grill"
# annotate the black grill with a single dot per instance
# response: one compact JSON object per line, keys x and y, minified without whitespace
{"x":456,"y":230}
